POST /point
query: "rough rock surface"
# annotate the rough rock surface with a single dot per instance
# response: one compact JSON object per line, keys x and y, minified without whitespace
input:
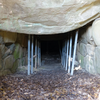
{"x":12,"y":55}
{"x":46,"y":16}
{"x":88,"y":48}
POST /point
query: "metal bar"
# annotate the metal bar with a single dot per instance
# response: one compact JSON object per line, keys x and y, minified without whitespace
{"x":67,"y":54}
{"x":39,"y":54}
{"x":32,"y":50}
{"x":74,"y":52}
{"x":64,"y":53}
{"x":29,"y":55}
{"x":36,"y":53}
{"x":70,"y":54}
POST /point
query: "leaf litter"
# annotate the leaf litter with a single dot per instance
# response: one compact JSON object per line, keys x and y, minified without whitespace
{"x":50,"y":85}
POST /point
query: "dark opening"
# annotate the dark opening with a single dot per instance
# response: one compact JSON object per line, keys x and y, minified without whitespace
{"x":50,"y":51}
{"x":50,"y":47}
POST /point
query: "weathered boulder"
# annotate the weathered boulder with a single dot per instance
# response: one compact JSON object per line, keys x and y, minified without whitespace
{"x":18,"y":53}
{"x":15,"y":66}
{"x":96,"y":31}
{"x":8,"y":62}
{"x":97,"y":59}
{"x":12,"y":53}
{"x":46,"y":16}
{"x":88,"y":49}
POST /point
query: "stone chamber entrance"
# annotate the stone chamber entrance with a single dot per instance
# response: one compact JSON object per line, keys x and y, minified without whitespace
{"x":52,"y":51}
{"x":49,"y":49}
{"x":50,"y":79}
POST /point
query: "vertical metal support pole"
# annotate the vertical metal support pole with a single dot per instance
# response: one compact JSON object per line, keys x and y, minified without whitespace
{"x":29,"y":55}
{"x":32,"y":50}
{"x":74,"y":52}
{"x":70,"y":54}
{"x":39,"y":54}
{"x":36,"y":53}
{"x":64,"y":53}
{"x":67,"y":54}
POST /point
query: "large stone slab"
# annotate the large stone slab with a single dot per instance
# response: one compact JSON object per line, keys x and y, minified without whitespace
{"x":96,"y":31}
{"x":97,"y":59}
{"x":90,"y":50}
{"x":83,"y":49}
{"x":89,"y":64}
{"x":87,"y":35}
{"x":46,"y":16}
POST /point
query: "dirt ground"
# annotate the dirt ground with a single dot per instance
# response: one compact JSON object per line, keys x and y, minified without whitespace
{"x":52,"y":83}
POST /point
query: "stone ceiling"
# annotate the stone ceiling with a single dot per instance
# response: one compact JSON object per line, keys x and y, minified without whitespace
{"x":46,"y":16}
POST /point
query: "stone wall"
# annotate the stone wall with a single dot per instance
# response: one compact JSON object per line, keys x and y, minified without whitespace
{"x":13,"y":52}
{"x":88,"y":48}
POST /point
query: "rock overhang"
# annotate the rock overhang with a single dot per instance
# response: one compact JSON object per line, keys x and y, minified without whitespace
{"x":42,"y":17}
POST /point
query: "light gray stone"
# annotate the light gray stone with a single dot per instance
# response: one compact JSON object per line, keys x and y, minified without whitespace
{"x":87,"y":36}
{"x":89,"y":64}
{"x":46,"y":16}
{"x":8,"y":62}
{"x":83,"y":49}
{"x":96,"y":31}
{"x":97,"y":59}
{"x":90,"y":50}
